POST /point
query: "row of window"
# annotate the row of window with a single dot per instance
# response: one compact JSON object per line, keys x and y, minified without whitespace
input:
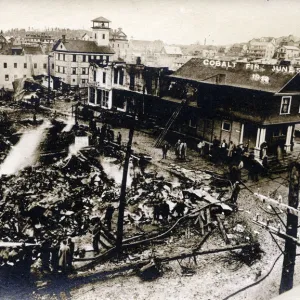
{"x":25,"y":65}
{"x":74,"y":71}
{"x":6,"y":76}
{"x":83,"y":58}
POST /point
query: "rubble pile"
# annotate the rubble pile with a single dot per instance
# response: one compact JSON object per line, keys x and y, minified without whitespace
{"x":57,"y":200}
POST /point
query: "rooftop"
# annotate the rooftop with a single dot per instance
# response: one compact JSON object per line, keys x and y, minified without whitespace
{"x":100,"y":19}
{"x":268,"y":78}
{"x":79,"y":46}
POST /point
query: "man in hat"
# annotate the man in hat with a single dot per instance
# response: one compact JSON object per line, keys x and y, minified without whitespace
{"x":45,"y":253}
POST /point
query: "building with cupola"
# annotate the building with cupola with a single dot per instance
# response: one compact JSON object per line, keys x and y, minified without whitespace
{"x":72,"y":57}
{"x":117,"y":38}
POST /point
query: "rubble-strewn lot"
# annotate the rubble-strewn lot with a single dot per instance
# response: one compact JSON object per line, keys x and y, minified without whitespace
{"x":62,"y":195}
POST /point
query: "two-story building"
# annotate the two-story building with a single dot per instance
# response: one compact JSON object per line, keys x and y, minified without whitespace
{"x":261,"y":48}
{"x":72,"y":57}
{"x":287,"y":52}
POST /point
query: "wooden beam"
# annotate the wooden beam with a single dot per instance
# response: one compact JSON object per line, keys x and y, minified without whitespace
{"x":222,"y":229}
{"x":286,"y":208}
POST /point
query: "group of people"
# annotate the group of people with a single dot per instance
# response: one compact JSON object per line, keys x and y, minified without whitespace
{"x":181,"y":150}
{"x":99,"y":229}
{"x":57,"y":254}
{"x":226,"y":151}
{"x":104,"y":133}
{"x":162,"y":209}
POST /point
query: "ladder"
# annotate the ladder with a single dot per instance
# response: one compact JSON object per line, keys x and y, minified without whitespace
{"x":163,"y":133}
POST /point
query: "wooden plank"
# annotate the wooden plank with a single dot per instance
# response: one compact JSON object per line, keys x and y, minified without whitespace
{"x":222,"y":229}
{"x":201,"y":226}
{"x":208,"y":219}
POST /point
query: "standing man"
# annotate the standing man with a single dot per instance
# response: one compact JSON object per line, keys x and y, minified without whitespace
{"x":119,"y":138}
{"x":177,"y":149}
{"x":63,"y":256}
{"x":108,"y":216}
{"x":165,"y":210}
{"x":71,"y":246}
{"x":165,"y":149}
{"x":235,"y":194}
{"x":200,"y":147}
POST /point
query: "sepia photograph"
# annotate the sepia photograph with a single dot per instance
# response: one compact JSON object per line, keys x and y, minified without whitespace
{"x":149,"y":149}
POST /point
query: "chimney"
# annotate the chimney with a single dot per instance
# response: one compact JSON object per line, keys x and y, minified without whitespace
{"x":63,"y":38}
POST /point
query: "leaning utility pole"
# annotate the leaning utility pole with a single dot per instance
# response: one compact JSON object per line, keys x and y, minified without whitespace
{"x":287,"y":276}
{"x":122,"y":202}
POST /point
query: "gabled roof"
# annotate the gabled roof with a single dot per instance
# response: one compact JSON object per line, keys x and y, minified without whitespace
{"x":79,"y":46}
{"x":100,"y":19}
{"x":172,"y":50}
{"x":268,"y":78}
{"x":291,"y":48}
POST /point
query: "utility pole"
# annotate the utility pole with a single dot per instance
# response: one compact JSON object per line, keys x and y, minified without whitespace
{"x":122,"y":202}
{"x":48,"y":98}
{"x":287,"y":276}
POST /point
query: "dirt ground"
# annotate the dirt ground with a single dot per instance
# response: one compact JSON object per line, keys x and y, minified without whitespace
{"x":213,"y":278}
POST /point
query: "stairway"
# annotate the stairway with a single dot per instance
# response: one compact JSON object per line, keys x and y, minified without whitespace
{"x":160,"y":139}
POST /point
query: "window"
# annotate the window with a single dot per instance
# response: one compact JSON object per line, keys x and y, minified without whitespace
{"x":45,"y":66}
{"x":83,"y":81}
{"x":121,"y":78}
{"x":83,"y":71}
{"x":226,"y":126}
{"x":15,"y":65}
{"x":52,"y":66}
{"x":35,"y":65}
{"x":6,"y":77}
{"x":103,"y":36}
{"x":116,"y":76}
{"x":285,"y":105}
{"x":104,"y":77}
{"x":95,"y":76}
{"x":64,"y":57}
{"x":84,"y":58}
{"x":107,"y":58}
{"x":64,"y":70}
{"x":74,"y":71}
{"x":92,"y":95}
{"x":4,"y":65}
{"x":25,"y":65}
{"x":58,"y":56}
{"x":95,"y":35}
{"x":74,"y":80}
{"x":105,"y":99}
{"x":74,"y":57}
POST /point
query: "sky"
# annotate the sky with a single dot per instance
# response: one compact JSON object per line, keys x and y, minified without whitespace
{"x":220,"y":22}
